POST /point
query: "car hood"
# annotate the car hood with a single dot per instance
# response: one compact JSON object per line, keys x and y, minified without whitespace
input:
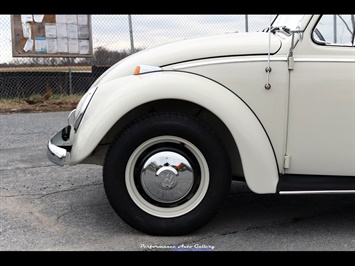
{"x":228,"y":44}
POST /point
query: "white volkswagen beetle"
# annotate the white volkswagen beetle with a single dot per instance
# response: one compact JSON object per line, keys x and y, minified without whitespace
{"x":174,"y":125}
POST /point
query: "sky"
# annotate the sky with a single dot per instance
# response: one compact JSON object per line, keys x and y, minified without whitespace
{"x":112,"y":31}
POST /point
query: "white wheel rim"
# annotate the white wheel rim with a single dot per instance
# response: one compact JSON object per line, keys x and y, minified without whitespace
{"x":167,"y":212}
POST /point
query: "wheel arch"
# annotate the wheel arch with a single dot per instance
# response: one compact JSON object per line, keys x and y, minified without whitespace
{"x":183,"y":106}
{"x":248,"y":145}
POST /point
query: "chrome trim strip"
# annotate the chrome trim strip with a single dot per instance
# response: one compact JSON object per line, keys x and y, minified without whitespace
{"x":332,"y":60}
{"x":257,"y":59}
{"x":317,"y":192}
{"x":227,"y":61}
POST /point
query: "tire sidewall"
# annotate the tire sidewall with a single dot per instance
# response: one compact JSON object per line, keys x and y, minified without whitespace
{"x":152,"y":126}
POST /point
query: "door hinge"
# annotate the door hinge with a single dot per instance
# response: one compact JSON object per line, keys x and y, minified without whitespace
{"x":287,"y":159}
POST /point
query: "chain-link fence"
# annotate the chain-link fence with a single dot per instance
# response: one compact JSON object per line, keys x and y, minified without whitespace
{"x":113,"y":37}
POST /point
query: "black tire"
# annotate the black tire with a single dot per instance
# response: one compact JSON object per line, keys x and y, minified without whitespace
{"x":166,"y":174}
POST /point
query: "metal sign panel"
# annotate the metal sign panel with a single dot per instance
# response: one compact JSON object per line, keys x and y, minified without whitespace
{"x":51,"y":35}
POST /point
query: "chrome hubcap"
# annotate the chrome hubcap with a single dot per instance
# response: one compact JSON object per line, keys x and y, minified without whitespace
{"x":167,"y":177}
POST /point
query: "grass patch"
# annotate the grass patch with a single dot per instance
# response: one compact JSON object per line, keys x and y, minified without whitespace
{"x":63,"y":97}
{"x":35,"y":103}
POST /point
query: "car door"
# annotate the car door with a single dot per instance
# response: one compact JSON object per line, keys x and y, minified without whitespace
{"x":321,"y":124}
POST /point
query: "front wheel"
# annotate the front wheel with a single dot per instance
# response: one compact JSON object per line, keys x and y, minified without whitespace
{"x":166,"y":174}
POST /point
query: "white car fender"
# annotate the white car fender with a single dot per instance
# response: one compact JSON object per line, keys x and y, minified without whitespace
{"x":117,"y":97}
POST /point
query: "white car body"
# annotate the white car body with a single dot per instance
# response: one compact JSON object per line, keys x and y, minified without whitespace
{"x":282,"y":102}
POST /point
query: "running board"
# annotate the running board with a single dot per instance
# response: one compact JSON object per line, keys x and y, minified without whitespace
{"x":315,"y":184}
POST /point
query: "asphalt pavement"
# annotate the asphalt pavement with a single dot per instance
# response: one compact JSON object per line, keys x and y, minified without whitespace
{"x":44,"y":207}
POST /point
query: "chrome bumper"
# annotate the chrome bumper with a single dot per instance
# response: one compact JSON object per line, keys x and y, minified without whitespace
{"x":58,"y":147}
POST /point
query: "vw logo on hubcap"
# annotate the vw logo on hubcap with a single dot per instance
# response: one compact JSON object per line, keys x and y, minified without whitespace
{"x":167,"y":177}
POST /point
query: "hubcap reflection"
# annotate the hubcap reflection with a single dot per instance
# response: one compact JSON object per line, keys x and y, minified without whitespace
{"x":167,"y":177}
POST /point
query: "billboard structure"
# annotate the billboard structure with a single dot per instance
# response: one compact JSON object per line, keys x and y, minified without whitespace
{"x":51,"y":35}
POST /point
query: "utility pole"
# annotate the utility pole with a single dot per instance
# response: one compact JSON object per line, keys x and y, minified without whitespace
{"x":246,"y":23}
{"x":131,"y":33}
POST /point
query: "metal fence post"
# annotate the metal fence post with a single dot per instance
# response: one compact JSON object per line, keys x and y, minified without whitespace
{"x":246,"y":23}
{"x":70,"y":81}
{"x":131,"y":33}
